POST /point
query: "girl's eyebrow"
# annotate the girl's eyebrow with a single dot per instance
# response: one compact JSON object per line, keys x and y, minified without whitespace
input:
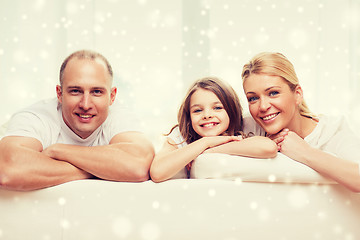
{"x":197,"y":105}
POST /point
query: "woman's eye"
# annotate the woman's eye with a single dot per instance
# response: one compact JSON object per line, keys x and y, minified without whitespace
{"x":252,"y":99}
{"x":273,"y":93}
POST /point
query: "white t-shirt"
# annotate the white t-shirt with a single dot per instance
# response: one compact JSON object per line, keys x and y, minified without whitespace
{"x":44,"y":121}
{"x":331,"y":134}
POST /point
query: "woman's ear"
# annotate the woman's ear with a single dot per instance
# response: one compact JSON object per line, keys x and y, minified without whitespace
{"x":298,"y":95}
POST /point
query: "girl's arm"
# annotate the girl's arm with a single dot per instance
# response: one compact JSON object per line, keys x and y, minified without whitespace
{"x":170,"y":159}
{"x":257,"y":147}
{"x":341,"y":170}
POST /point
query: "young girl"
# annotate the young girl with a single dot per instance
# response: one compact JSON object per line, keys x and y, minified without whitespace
{"x":276,"y":103}
{"x":209,"y":120}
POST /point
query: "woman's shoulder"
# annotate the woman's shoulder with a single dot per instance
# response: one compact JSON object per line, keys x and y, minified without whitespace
{"x":250,"y":126}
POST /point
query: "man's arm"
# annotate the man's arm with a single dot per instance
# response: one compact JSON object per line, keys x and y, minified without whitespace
{"x":24,"y":167}
{"x":127,"y":158}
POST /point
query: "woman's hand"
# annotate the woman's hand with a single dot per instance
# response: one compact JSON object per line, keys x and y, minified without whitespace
{"x":292,"y":145}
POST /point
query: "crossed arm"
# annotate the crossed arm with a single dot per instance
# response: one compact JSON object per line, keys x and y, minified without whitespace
{"x":24,"y":165}
{"x":170,"y":159}
{"x":343,"y":171}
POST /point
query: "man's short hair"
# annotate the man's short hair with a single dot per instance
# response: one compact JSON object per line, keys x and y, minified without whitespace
{"x":85,"y":54}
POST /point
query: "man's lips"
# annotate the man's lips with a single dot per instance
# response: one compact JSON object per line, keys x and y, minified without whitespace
{"x":85,"y":117}
{"x":269,"y":117}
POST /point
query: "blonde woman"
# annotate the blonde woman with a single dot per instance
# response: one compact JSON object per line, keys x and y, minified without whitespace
{"x":276,"y":103}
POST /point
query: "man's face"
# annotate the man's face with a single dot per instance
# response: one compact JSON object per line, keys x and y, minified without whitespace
{"x":85,"y":96}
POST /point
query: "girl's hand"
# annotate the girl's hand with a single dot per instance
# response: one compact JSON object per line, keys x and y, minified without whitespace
{"x":218,"y":140}
{"x":293,"y":146}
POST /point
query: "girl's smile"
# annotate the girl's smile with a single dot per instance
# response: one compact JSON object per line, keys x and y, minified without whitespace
{"x":207,"y":113}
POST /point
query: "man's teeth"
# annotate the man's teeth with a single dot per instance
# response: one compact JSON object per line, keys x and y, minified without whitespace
{"x":270,"y":116}
{"x":85,"y":116}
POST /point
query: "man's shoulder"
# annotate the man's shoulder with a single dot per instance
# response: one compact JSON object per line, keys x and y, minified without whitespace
{"x":46,"y":109}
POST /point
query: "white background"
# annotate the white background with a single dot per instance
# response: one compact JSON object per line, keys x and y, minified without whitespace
{"x":157,"y":48}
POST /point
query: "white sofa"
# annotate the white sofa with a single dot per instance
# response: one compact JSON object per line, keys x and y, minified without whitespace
{"x":254,"y":206}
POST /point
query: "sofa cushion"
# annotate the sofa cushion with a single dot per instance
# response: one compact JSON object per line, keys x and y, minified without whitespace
{"x":279,"y":169}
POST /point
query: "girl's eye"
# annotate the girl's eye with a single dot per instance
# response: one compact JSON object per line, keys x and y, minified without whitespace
{"x":218,"y":107}
{"x":197,"y":111}
{"x":273,"y":93}
{"x":252,"y":99}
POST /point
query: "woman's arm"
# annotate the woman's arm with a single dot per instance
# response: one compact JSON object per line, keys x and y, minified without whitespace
{"x":170,"y":159}
{"x":341,"y":170}
{"x":257,"y":147}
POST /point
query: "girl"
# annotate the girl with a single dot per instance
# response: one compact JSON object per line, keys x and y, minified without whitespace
{"x":276,"y":103}
{"x":209,"y":119}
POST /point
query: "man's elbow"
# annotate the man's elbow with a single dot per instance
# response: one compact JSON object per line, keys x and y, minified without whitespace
{"x":140,"y":174}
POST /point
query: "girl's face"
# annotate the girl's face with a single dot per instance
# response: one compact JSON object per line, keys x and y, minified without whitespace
{"x":207,"y":113}
{"x":272,"y":103}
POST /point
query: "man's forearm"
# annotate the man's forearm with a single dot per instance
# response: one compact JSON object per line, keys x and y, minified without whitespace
{"x":119,"y":161}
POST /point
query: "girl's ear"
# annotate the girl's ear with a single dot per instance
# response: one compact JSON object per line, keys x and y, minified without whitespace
{"x":298,"y":95}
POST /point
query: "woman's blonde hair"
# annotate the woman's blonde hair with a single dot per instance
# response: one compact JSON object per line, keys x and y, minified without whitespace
{"x":228,"y":99}
{"x":276,"y":64}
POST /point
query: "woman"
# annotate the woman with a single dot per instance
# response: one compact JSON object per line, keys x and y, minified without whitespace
{"x":276,"y":103}
{"x":275,"y":99}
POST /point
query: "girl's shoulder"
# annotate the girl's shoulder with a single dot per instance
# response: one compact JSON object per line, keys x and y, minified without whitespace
{"x":176,"y":136}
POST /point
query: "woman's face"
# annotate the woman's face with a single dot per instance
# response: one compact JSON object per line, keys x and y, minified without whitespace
{"x":271,"y":102}
{"x":207,"y":113}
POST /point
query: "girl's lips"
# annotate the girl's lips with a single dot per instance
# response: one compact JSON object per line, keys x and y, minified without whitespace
{"x":209,"y":125}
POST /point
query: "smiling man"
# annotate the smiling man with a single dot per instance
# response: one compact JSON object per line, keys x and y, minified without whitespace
{"x":76,"y":136}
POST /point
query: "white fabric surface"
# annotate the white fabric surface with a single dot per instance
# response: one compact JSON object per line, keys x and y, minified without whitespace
{"x":279,"y":169}
{"x":180,"y":209}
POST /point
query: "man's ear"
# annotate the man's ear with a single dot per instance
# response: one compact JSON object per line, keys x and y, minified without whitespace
{"x":298,"y":95}
{"x":59,"y":93}
{"x":113,"y":95}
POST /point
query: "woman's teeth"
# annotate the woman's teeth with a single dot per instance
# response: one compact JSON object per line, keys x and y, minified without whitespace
{"x":269,"y":117}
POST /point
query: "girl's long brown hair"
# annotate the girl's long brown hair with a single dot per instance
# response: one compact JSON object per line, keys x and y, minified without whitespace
{"x":227,"y":97}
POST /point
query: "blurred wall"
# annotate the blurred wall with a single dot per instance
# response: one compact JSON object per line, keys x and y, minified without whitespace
{"x":158,"y":47}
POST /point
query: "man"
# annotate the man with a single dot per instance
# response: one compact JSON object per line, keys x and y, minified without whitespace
{"x":77,"y":136}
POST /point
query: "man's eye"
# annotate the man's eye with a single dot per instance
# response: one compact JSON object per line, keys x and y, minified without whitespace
{"x":74,"y":91}
{"x":97,"y":92}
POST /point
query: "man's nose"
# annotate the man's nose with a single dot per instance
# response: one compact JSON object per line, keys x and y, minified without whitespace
{"x":85,"y":102}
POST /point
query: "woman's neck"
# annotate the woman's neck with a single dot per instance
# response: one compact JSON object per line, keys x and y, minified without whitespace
{"x":303,"y":126}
